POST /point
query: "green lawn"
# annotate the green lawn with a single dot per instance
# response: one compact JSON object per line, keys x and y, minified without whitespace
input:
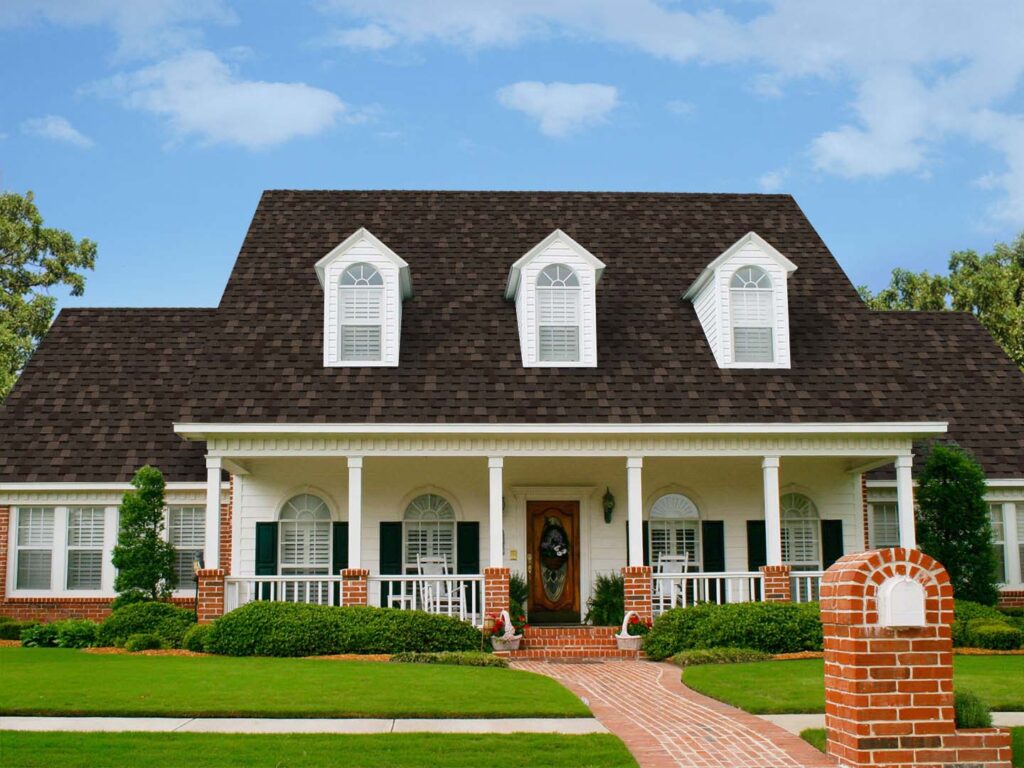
{"x":201,"y":750}
{"x":816,"y":738}
{"x":777,"y":687}
{"x":65,"y":682}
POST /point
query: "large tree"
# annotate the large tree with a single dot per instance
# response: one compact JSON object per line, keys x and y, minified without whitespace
{"x":33,"y":260}
{"x":990,"y":286}
{"x":143,"y":557}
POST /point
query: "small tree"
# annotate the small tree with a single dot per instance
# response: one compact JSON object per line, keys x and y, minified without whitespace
{"x":953,"y":523}
{"x":144,"y":560}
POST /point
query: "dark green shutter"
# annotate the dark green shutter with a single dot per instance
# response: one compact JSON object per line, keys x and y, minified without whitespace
{"x":831,"y":542}
{"x":467,"y":555}
{"x":757,"y":551}
{"x":339,"y":554}
{"x":646,"y":542}
{"x":712,"y":550}
{"x":390,"y":555}
{"x":266,"y":554}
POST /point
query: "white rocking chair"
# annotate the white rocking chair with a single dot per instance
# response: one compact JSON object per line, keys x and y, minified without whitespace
{"x":444,"y":597}
{"x":669,"y":592}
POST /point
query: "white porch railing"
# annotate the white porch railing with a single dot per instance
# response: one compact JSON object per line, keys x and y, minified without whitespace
{"x":680,"y":590}
{"x":316,"y":590}
{"x":459,"y":596}
{"x":805,"y":586}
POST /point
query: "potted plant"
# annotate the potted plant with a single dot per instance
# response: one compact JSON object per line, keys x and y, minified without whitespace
{"x":507,"y":631}
{"x":631,"y":637}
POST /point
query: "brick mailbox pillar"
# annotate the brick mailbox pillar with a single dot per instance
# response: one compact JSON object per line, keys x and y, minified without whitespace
{"x":496,"y":597}
{"x":211,"y":594}
{"x":354,"y":586}
{"x":887,"y":619}
{"x":637,"y":583}
{"x":778,"y":587}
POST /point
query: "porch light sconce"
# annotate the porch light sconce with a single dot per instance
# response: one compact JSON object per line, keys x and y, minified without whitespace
{"x":608,"y":502}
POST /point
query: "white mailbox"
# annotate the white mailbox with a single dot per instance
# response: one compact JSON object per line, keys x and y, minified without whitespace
{"x":901,"y":603}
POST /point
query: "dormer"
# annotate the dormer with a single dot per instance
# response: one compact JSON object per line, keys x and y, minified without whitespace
{"x":364,"y":283}
{"x":554,"y":285}
{"x":742,"y":301}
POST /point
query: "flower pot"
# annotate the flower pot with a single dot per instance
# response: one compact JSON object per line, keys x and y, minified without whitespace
{"x":501,"y":644}
{"x":629,"y":642}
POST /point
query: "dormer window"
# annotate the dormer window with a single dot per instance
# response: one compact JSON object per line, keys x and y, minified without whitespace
{"x":750,"y":297}
{"x":554,"y":287}
{"x":361,"y":297}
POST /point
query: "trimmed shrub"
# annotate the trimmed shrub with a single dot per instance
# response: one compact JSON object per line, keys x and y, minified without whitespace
{"x":166,"y":621}
{"x":39,"y":636}
{"x":700,"y":656}
{"x":11,"y":629}
{"x":76,"y":633}
{"x":297,"y":629}
{"x":766,"y":627}
{"x":196,"y":637}
{"x":964,"y":612}
{"x":143,"y":641}
{"x":456,"y":658}
{"x":993,"y":635}
{"x":970,"y":711}
{"x":607,"y":604}
{"x":1013,"y":611}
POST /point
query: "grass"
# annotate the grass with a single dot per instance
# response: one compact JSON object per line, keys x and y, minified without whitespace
{"x":816,"y":738}
{"x":778,"y":687}
{"x":67,"y":682}
{"x":202,"y":750}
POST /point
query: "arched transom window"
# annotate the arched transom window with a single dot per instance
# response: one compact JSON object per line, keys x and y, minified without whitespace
{"x":361,"y":295}
{"x":558,"y":314}
{"x":800,"y":532}
{"x":751,"y":300}
{"x":675,"y":533}
{"x":305,"y":525}
{"x":429,"y":527}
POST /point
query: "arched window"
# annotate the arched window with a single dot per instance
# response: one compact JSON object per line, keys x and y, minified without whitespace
{"x":558,"y":314}
{"x":361,"y":313}
{"x":751,"y":299}
{"x":429,"y":526}
{"x":675,"y":530}
{"x":800,"y":532}
{"x":305,"y":525}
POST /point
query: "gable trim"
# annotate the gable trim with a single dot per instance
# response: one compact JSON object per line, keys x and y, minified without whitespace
{"x":515,"y":270}
{"x":751,"y":238}
{"x":404,"y":277}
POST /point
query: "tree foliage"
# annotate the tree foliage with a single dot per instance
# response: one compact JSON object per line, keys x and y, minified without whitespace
{"x":144,"y":560}
{"x":33,"y":259}
{"x":953,"y":525}
{"x":990,"y":286}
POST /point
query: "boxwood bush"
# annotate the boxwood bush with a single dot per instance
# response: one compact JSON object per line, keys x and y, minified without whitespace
{"x":166,"y":621}
{"x":76,"y":633}
{"x":981,"y":626}
{"x":699,"y":656}
{"x":10,"y":629}
{"x":195,"y":638}
{"x":296,"y":629}
{"x":765,"y":627}
{"x":143,"y":641}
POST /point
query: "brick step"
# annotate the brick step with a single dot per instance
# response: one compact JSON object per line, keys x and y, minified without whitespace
{"x":554,"y":654}
{"x":569,"y":638}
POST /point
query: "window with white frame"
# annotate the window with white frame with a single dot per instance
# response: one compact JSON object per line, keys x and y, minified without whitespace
{"x":1020,"y":539}
{"x":186,"y":532}
{"x":800,"y":533}
{"x":674,"y":530}
{"x":558,"y":314}
{"x":305,"y":525}
{"x":34,"y":548}
{"x":751,"y":300}
{"x":361,"y":313}
{"x":429,"y":528}
{"x":85,"y":547}
{"x":995,"y":516}
{"x":884,"y":525}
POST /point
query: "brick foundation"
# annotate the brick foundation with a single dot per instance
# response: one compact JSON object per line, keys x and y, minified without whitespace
{"x":496,"y":597}
{"x":354,"y":587}
{"x":637,"y":583}
{"x":211,"y":594}
{"x":778,"y":588}
{"x":889,"y":690}
{"x":1011,"y":598}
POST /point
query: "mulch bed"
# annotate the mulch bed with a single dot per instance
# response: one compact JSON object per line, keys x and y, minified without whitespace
{"x":10,"y":643}
{"x":798,"y":655}
{"x":154,"y":652}
{"x":986,"y":652}
{"x":355,"y":657}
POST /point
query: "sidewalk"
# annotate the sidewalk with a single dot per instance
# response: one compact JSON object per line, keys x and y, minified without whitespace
{"x":797,"y":723}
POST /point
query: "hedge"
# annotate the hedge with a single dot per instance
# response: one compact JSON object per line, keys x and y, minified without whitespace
{"x":297,"y":629}
{"x":456,"y":658}
{"x":196,"y":637}
{"x":143,"y":641}
{"x":700,"y":656}
{"x":11,"y":629}
{"x":166,"y":621}
{"x":766,"y":627}
{"x":981,"y":626}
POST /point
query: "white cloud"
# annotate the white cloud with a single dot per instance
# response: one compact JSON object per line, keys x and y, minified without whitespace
{"x":681,"y":108}
{"x":560,"y":108}
{"x":56,"y":128}
{"x":144,"y":28}
{"x":369,"y":38}
{"x":200,"y":96}
{"x":772,"y":181}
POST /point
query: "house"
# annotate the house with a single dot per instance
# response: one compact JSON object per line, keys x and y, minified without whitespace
{"x":403,"y":396}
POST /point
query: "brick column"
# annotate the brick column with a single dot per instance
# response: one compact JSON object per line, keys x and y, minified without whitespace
{"x":211,"y":594}
{"x":886,"y":617}
{"x":5,"y":532}
{"x":496,"y":597}
{"x":637,"y":586}
{"x":354,"y":586}
{"x":226,"y":511}
{"x":778,"y":588}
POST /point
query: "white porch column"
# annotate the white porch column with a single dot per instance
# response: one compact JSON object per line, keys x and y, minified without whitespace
{"x":635,"y":509}
{"x":905,"y":501}
{"x":211,"y":553}
{"x":772,"y":514}
{"x":496,"y":519}
{"x":1011,"y":547}
{"x":355,"y":512}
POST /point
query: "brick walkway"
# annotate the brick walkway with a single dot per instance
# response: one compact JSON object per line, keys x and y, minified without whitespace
{"x":665,"y":724}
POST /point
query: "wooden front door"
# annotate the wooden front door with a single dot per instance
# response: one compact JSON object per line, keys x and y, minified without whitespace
{"x":553,"y":561}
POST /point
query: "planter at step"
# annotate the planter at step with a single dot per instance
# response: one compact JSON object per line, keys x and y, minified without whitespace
{"x":502,"y":644}
{"x":629,"y":642}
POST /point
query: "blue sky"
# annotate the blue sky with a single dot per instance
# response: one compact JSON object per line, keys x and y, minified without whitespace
{"x":151,"y":126}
